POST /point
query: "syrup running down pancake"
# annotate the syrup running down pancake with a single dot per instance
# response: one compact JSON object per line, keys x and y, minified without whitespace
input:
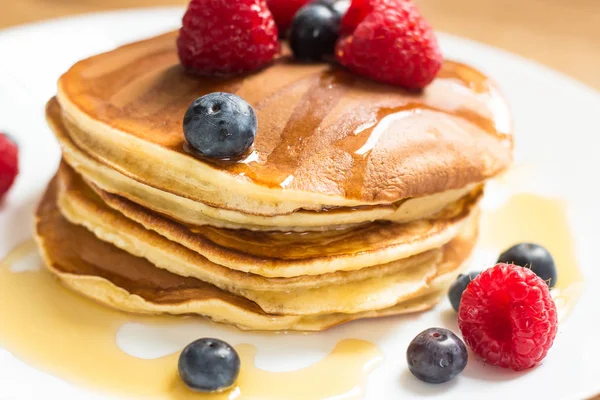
{"x":292,"y":254}
{"x":369,"y":288}
{"x":198,"y":214}
{"x":118,"y":279}
{"x":326,"y":138}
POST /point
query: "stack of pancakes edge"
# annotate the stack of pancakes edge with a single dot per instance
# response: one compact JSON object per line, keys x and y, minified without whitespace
{"x":357,"y":200}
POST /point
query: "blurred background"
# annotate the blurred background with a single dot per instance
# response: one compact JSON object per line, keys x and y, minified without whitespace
{"x":563,"y":34}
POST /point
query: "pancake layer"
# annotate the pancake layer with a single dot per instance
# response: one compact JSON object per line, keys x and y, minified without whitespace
{"x":369,"y":288}
{"x":116,"y":278}
{"x":195,"y":213}
{"x":277,"y":254}
{"x":326,"y":138}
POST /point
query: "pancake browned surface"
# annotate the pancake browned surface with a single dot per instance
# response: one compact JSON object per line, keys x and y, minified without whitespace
{"x":349,"y":292}
{"x":198,"y":214}
{"x":326,"y":137}
{"x":116,"y":278}
{"x":292,"y":254}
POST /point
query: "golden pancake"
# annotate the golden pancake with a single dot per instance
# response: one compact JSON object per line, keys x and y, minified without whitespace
{"x":277,"y":254}
{"x":326,"y":138}
{"x":349,"y":292}
{"x":81,"y":206}
{"x":357,"y":199}
{"x":195,"y":213}
{"x":116,"y":278}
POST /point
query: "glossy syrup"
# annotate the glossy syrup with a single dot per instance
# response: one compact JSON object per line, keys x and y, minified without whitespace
{"x":327,"y":115}
{"x":329,"y":118}
{"x":52,"y":329}
{"x":541,"y":220}
{"x":321,"y":128}
{"x":79,"y":336}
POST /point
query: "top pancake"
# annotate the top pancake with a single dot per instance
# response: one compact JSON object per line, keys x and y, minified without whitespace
{"x":326,"y":137}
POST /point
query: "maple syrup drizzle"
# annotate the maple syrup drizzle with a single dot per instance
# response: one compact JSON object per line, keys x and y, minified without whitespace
{"x":541,"y":220}
{"x":79,"y":335}
{"x":306,"y":112}
{"x":58,"y":331}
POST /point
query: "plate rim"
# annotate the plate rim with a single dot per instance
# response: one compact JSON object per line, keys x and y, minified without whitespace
{"x":14,"y":32}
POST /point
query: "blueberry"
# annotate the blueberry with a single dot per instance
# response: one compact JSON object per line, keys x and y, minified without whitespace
{"x":436,"y":355}
{"x":220,"y":125}
{"x":458,"y":287}
{"x":532,"y":256}
{"x":209,"y":365}
{"x":314,"y":31}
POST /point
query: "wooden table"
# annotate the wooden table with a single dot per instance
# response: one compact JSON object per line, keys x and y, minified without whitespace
{"x":563,"y":34}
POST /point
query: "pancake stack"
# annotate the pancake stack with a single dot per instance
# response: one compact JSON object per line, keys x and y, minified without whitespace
{"x":357,"y":199}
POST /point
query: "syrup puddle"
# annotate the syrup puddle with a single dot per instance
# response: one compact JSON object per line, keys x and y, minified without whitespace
{"x":75,"y":339}
{"x":52,"y":329}
{"x":542,"y":220}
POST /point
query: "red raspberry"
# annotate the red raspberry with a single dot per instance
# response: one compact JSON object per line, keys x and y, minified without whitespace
{"x":507,"y":317}
{"x":283,"y":11}
{"x":358,"y":11}
{"x":392,"y":43}
{"x":224,"y":37}
{"x":9,"y":163}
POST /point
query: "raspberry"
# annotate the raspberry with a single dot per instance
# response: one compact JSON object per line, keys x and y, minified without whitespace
{"x":507,"y":317}
{"x":283,"y":11}
{"x":9,"y":163}
{"x":224,"y":37}
{"x":391,"y":43}
{"x":358,"y":10}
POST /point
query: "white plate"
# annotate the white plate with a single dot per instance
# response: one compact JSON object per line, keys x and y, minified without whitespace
{"x":557,"y":126}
